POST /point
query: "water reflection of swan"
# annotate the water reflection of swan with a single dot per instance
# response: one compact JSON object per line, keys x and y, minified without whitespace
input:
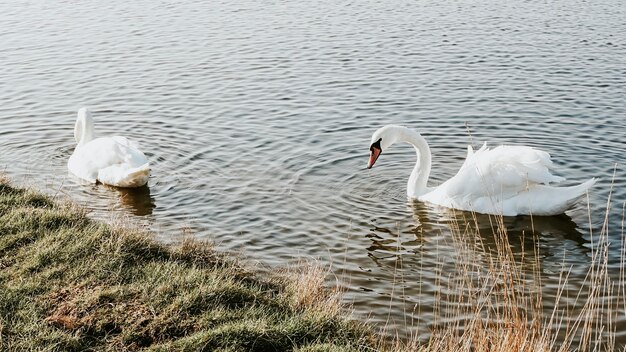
{"x":449,"y":231}
{"x":523,"y":232}
{"x":137,"y":200}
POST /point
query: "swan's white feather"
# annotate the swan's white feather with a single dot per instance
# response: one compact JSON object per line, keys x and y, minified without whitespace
{"x":127,"y":142}
{"x":110,"y":160}
{"x":507,"y":180}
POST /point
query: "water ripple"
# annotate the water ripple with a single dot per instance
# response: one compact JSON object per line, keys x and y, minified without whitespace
{"x":256,"y":120}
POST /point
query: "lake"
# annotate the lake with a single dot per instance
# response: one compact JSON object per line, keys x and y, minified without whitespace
{"x":257,"y":117}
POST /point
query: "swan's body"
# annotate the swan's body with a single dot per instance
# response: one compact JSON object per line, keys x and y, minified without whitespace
{"x":507,"y":180}
{"x":114,"y":161}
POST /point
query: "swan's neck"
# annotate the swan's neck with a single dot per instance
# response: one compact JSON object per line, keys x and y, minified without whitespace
{"x":419,"y":176}
{"x":83,"y":131}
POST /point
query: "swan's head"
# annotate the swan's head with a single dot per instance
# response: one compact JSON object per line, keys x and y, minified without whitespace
{"x":382,"y":139}
{"x":84,"y":125}
{"x":84,"y":113}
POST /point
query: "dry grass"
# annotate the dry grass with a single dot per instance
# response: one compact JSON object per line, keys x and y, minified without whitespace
{"x":306,"y":285}
{"x":503,"y":304}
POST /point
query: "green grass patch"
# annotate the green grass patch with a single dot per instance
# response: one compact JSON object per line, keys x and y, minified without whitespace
{"x":70,"y":283}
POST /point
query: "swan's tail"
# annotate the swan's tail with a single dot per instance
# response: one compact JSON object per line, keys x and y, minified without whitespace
{"x":581,"y":189}
{"x":139,"y":176}
{"x":117,"y":176}
{"x":549,"y":200}
{"x":573,"y":193}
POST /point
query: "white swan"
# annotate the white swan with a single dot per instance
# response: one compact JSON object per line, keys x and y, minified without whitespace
{"x":507,"y":180}
{"x":114,"y":161}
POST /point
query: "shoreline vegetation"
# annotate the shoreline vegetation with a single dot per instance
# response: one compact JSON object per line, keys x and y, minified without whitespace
{"x":70,"y":283}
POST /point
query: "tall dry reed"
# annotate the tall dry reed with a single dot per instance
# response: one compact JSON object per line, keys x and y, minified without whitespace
{"x":494,"y":300}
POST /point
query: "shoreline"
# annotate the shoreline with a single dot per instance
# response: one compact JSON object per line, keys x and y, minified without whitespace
{"x":72,"y":283}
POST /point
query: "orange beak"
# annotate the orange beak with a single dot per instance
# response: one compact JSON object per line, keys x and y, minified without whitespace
{"x":374,"y":154}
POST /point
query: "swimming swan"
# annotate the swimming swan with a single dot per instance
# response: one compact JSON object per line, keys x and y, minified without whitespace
{"x":114,"y":161}
{"x":507,"y":180}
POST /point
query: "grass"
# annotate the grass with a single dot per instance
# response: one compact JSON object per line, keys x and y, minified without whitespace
{"x":70,"y":283}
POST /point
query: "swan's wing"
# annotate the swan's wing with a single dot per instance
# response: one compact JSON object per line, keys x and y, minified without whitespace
{"x":101,"y":153}
{"x":504,"y":171}
{"x":126,"y":142}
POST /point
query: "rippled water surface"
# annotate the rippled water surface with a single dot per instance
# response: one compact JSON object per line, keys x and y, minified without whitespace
{"x":256,"y":117}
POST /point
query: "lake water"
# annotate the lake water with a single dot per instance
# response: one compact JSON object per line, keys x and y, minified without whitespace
{"x":256,"y":117}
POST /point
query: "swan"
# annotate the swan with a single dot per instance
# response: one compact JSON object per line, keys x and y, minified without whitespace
{"x":114,"y":160}
{"x":506,"y":180}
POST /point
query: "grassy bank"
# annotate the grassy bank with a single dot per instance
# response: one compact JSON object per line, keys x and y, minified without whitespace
{"x":71,"y":283}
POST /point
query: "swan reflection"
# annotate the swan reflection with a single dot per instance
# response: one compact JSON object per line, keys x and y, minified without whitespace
{"x":137,"y":200}
{"x":452,"y":232}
